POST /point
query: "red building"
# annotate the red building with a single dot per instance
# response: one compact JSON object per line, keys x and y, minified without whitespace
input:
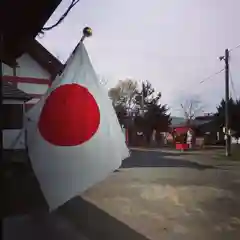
{"x":204,"y":130}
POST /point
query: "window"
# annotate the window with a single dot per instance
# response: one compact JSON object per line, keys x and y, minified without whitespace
{"x":12,"y":116}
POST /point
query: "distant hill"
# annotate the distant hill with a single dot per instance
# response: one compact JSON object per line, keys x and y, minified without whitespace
{"x":201,"y":120}
{"x":177,"y":120}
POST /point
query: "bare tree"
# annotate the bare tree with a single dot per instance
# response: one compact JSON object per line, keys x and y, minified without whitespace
{"x":192,"y":107}
{"x":127,"y":87}
{"x":123,"y":91}
{"x":114,"y":94}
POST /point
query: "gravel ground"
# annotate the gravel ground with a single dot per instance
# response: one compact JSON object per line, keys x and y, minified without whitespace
{"x":154,"y":195}
{"x":163,"y":195}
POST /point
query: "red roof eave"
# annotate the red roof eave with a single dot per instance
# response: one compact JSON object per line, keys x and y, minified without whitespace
{"x":181,"y":130}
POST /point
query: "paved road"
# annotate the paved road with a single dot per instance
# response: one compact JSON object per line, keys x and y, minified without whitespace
{"x":159,"y":159}
{"x":164,"y":196}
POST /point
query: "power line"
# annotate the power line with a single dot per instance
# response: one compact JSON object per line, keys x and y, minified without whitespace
{"x":73,"y":3}
{"x":238,"y":46}
{"x":211,"y":76}
{"x":231,"y":78}
{"x":232,"y":85}
{"x":207,"y":78}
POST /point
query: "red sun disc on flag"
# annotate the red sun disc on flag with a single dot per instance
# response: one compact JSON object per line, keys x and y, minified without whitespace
{"x":70,"y":116}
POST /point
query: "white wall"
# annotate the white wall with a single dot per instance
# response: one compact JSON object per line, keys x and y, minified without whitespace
{"x":28,"y":67}
{"x":7,"y":70}
{"x":33,"y":101}
{"x":33,"y":88}
{"x":13,"y":139}
{"x":235,"y":141}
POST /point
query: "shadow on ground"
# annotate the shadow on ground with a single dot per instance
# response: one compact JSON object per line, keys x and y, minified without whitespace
{"x":95,"y":223}
{"x":21,"y":195}
{"x":159,"y":159}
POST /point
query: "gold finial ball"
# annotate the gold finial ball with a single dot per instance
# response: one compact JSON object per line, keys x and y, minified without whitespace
{"x":87,"y":32}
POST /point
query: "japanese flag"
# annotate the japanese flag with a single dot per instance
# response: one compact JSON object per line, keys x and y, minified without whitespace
{"x":74,"y":138}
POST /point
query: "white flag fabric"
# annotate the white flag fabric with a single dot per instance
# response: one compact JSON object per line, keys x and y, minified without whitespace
{"x":74,"y":137}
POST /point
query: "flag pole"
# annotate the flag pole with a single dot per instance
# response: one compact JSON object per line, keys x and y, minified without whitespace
{"x":87,"y":32}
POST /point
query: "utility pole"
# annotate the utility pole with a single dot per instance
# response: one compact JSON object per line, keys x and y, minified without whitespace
{"x":1,"y":94}
{"x":228,"y":144}
{"x":1,"y":118}
{"x":226,"y":60}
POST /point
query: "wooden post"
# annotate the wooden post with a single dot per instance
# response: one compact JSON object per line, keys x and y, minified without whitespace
{"x":1,"y":115}
{"x":1,"y":93}
{"x":226,"y":58}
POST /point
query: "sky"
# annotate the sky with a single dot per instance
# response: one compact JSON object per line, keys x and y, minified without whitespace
{"x":171,"y":43}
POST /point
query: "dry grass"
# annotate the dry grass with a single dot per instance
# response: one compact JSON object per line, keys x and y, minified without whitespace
{"x":235,"y":154}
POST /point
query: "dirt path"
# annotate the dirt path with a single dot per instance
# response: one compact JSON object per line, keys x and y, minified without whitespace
{"x":172,"y":200}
